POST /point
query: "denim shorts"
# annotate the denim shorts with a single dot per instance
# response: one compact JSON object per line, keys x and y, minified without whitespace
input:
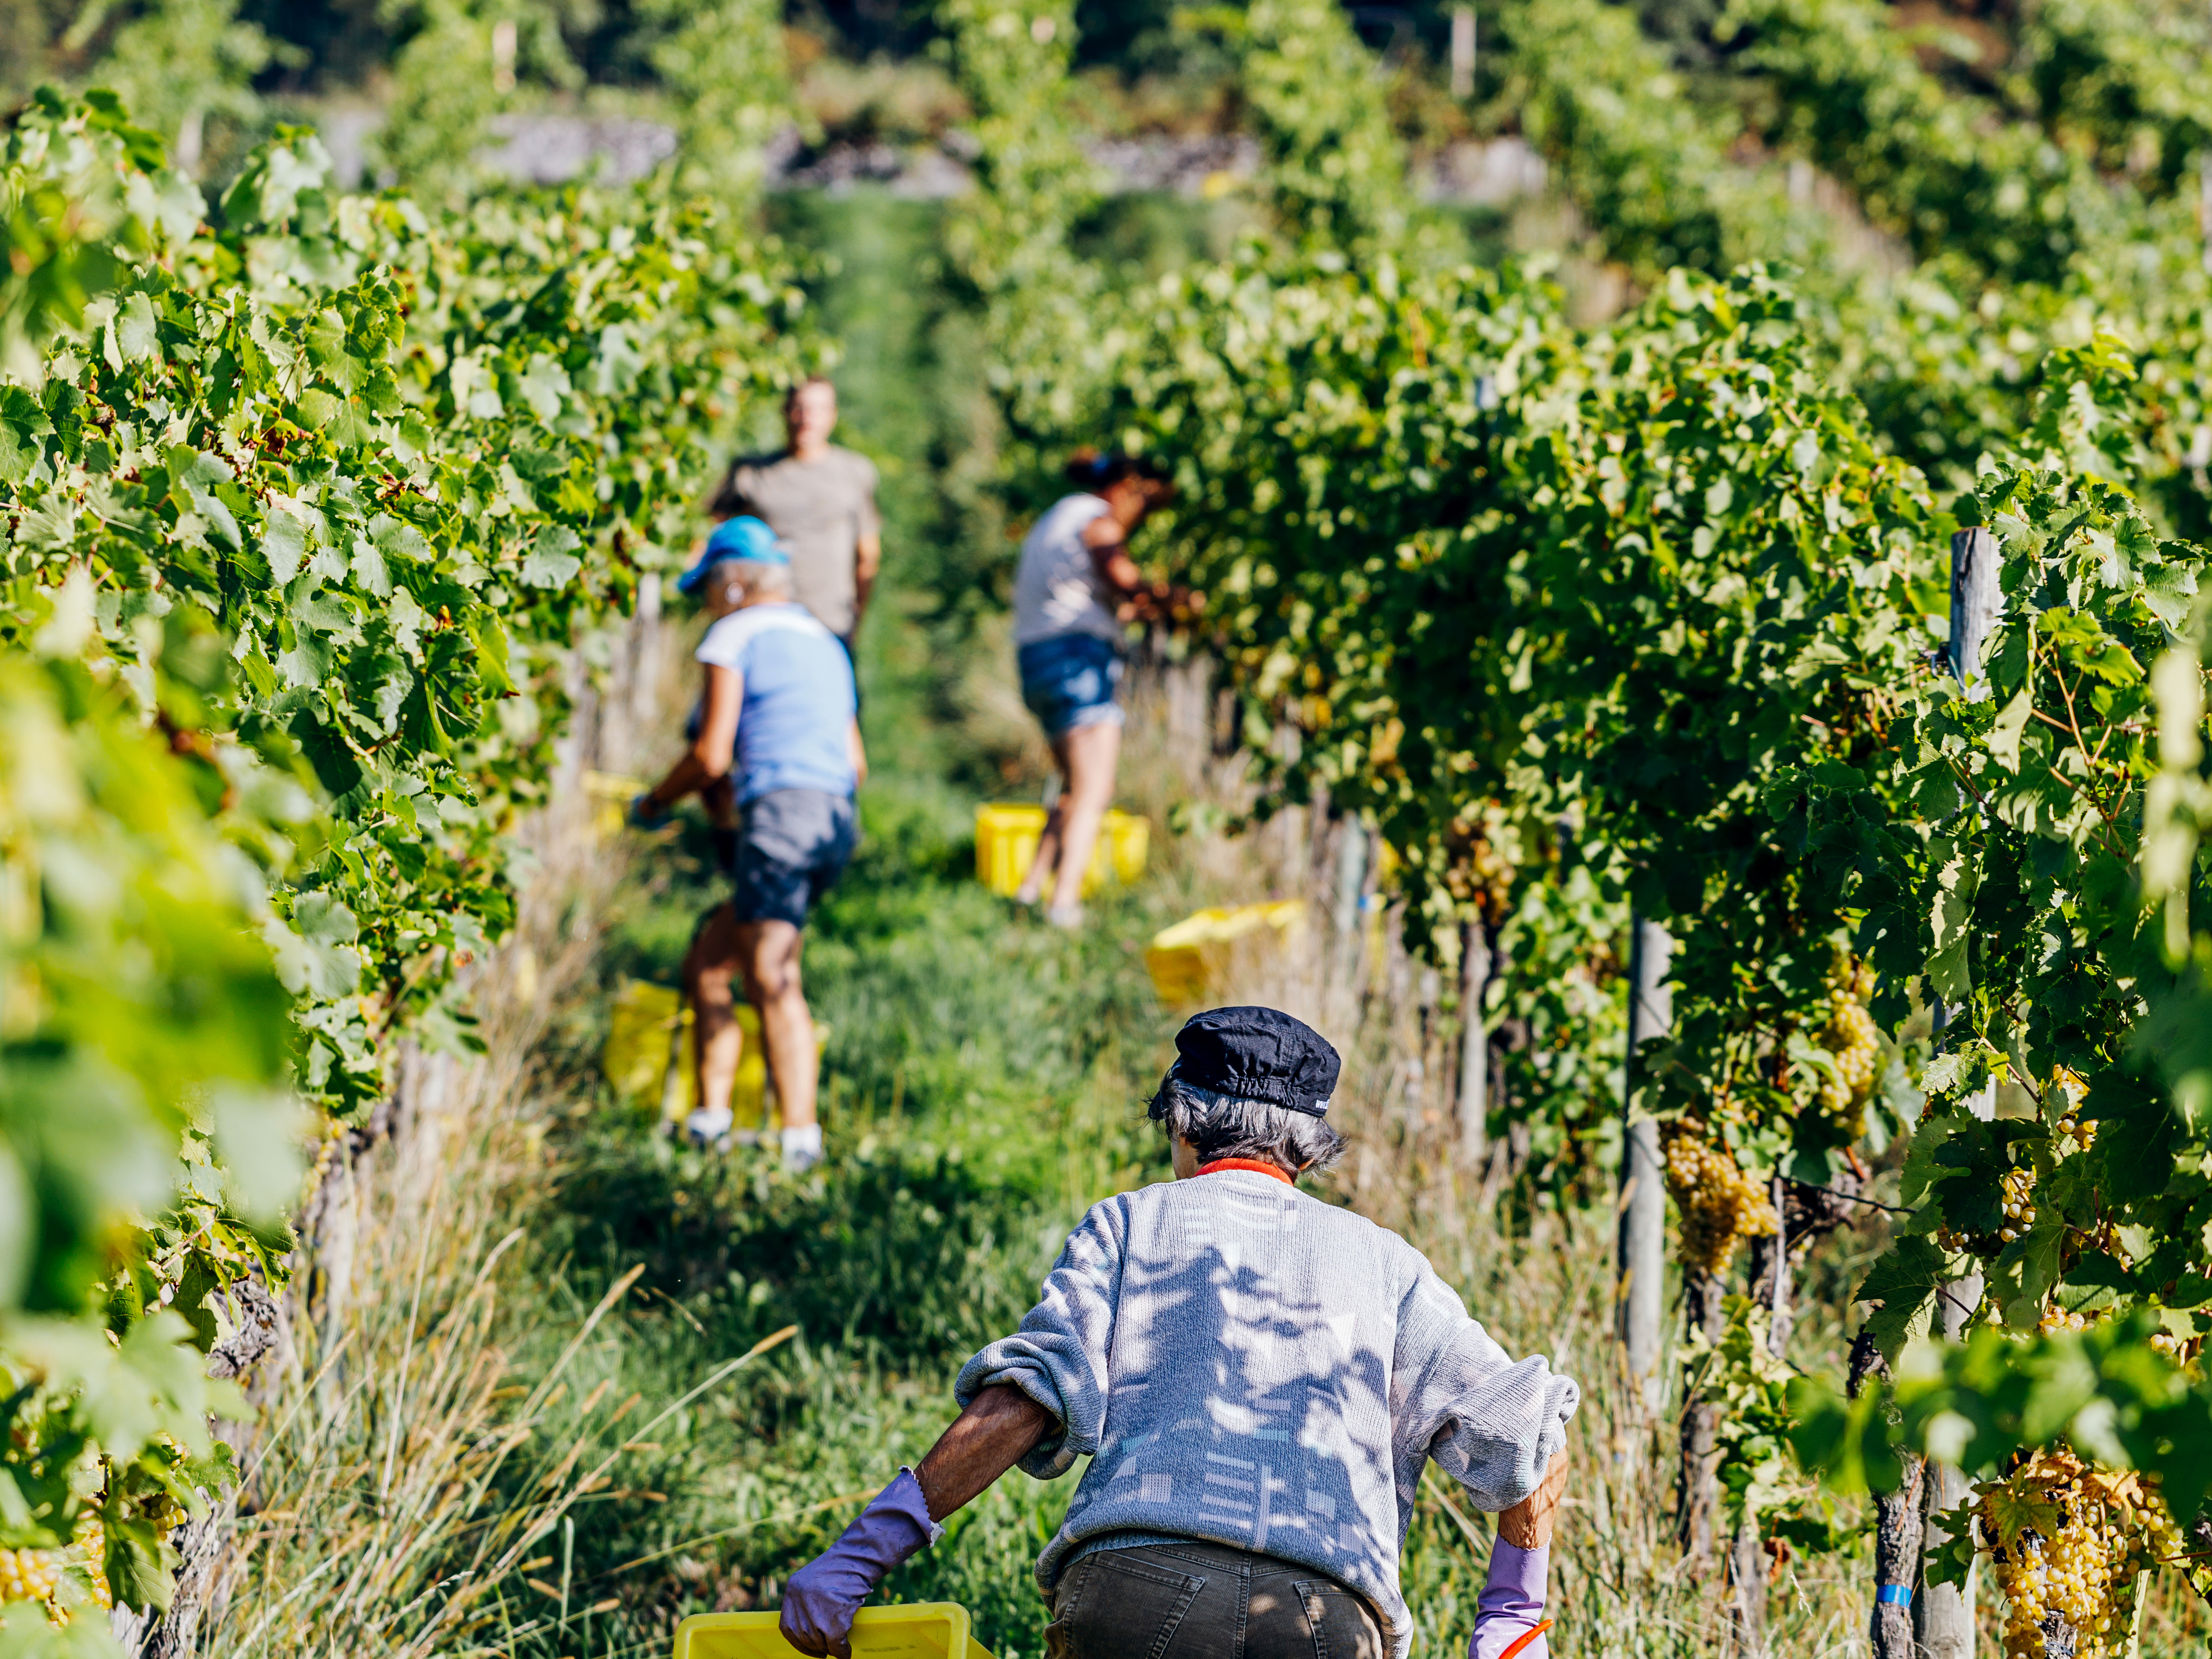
{"x":1071,"y":680}
{"x":788,"y":852}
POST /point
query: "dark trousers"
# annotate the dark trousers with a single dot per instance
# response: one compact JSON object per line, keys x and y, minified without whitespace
{"x":1190,"y":1600}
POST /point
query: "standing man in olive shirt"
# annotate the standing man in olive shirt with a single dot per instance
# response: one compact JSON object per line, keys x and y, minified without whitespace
{"x":820,"y":500}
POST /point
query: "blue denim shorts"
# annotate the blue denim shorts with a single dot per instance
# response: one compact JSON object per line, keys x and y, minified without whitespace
{"x":1071,"y":680}
{"x":789,"y":851}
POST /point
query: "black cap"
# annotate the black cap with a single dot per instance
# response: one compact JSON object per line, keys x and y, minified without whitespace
{"x":1257,"y":1053}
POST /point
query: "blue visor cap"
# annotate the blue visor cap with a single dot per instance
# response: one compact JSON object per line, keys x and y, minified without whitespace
{"x":1257,"y":1053}
{"x":742,"y":538}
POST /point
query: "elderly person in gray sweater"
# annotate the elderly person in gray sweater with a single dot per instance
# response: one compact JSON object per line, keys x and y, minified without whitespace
{"x":1258,"y":1379}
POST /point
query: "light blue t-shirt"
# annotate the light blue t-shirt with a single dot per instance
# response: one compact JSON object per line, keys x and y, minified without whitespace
{"x":799,"y":700}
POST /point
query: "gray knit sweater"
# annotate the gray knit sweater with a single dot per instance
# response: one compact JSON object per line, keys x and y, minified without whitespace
{"x":1251,"y":1365}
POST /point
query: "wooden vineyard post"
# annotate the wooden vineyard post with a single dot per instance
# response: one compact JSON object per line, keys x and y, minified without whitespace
{"x":1640,"y":1260}
{"x":1974,"y":599}
{"x":1462,"y":51}
{"x":1351,"y":881}
{"x":1943,"y":1622}
{"x":2204,"y":201}
{"x":1474,"y":1048}
{"x":1900,"y":1535}
{"x":1942,"y":1619}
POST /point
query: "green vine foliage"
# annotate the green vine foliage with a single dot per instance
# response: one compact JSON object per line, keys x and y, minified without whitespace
{"x":1942,"y":169}
{"x":1643,"y":163}
{"x":728,"y":66}
{"x":1654,"y":604}
{"x":2123,"y":83}
{"x":301,"y":518}
{"x":1336,"y":170}
{"x":1044,"y":313}
{"x":2039,"y":934}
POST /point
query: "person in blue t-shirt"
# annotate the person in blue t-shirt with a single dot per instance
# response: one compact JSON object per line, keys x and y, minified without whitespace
{"x":775,"y":738}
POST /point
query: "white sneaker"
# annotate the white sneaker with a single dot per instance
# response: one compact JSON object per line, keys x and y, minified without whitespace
{"x":706,"y":1128}
{"x":802,"y":1147}
{"x":1070,"y":916}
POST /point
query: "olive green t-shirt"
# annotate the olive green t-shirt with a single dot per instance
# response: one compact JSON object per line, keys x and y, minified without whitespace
{"x":819,"y":510}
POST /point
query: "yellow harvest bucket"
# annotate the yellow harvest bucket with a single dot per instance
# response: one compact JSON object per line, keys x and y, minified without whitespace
{"x":648,"y":1059}
{"x":612,"y":794}
{"x":1190,"y":959}
{"x":1006,"y":843}
{"x":925,"y":1630}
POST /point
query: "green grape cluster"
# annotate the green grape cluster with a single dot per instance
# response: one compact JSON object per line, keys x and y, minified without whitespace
{"x":92,"y":1541}
{"x":1851,"y":1039}
{"x":1720,"y":1205}
{"x":29,"y":1575}
{"x":2070,"y":1540}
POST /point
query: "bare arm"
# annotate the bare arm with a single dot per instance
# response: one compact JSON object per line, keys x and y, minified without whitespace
{"x":868,"y":563}
{"x":1528,"y":1524}
{"x":1001,"y":1426}
{"x":1108,"y":538}
{"x":708,"y":757}
{"x":860,"y":752}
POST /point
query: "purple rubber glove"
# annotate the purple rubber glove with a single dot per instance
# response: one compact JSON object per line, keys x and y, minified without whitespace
{"x":819,"y":1601}
{"x":1512,"y":1602}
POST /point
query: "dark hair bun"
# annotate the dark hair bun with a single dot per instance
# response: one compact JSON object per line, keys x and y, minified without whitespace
{"x":1096,"y":469}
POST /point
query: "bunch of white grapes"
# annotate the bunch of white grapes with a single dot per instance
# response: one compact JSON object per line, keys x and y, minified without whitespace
{"x":2078,"y":1572}
{"x":92,"y":1540}
{"x":1720,"y":1205}
{"x":2018,"y":1193}
{"x":29,"y":1575}
{"x":1851,"y":1039}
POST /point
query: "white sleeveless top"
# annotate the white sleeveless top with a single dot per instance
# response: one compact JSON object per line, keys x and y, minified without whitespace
{"x":1058,"y":590}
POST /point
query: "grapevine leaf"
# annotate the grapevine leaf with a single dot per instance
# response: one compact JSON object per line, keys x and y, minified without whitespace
{"x":397,"y":536}
{"x":2004,"y":737}
{"x":542,"y":386}
{"x":258,"y":1134}
{"x":23,"y":423}
{"x":553,"y":562}
{"x":1950,"y":1563}
{"x":2135,"y":1149}
{"x":614,"y":369}
{"x":369,"y":568}
{"x":193,"y":1284}
{"x":1946,"y":1073}
{"x":133,"y":327}
{"x":2100,"y":1270}
{"x":1904,"y":1282}
{"x":284,"y":544}
{"x":315,"y":954}
{"x":139,"y":1564}
{"x":2013,"y":1511}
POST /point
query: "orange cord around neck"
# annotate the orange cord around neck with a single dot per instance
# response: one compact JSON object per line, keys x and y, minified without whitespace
{"x":1251,"y":1163}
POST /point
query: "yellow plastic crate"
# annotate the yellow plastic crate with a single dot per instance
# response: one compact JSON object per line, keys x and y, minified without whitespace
{"x":1190,"y":959}
{"x":925,"y":1630}
{"x":1006,"y":843}
{"x":612,"y":794}
{"x":648,"y":1059}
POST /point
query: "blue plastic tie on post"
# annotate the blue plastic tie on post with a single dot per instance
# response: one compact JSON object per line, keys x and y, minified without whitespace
{"x":1894,"y":1594}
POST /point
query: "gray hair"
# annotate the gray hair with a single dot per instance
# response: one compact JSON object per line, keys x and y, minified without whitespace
{"x":754,"y":575}
{"x":1223,"y":1126}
